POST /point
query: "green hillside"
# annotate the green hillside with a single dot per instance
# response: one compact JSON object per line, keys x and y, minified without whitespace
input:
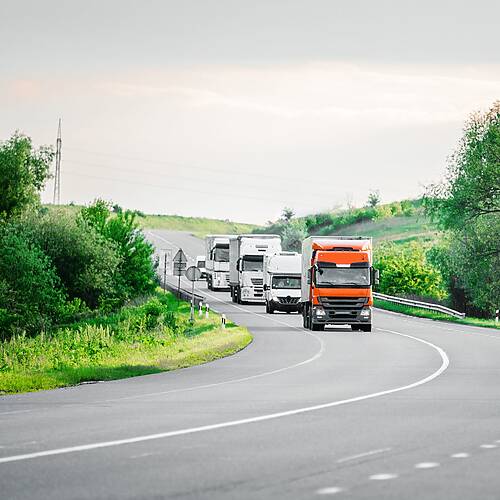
{"x":398,"y":222}
{"x":199,"y":226}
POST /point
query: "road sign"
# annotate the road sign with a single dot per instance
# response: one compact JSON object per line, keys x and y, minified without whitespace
{"x":193,"y":273}
{"x":180,"y":257}
{"x":180,"y":263}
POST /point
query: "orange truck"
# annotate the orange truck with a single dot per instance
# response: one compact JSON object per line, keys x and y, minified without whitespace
{"x":337,"y":281}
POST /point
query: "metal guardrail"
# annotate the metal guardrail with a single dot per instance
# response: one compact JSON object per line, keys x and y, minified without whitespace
{"x":183,"y":293}
{"x":423,"y":305}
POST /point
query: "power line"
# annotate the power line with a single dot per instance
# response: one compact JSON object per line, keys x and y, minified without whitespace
{"x":281,"y":179}
{"x":163,"y":187}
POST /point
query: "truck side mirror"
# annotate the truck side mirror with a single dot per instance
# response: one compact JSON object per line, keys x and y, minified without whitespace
{"x":376,"y":276}
{"x":309,"y":274}
{"x":238,"y":264}
{"x":266,"y":288}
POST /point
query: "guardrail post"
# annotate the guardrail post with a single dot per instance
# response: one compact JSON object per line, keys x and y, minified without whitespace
{"x":200,"y":309}
{"x":223,"y":321}
{"x":207,"y":310}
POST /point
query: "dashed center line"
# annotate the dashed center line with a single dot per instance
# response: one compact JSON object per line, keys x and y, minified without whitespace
{"x":488,"y":446}
{"x":460,"y":455}
{"x":426,"y":465}
{"x":383,"y":477}
{"x":329,"y":491}
{"x":362,"y":455}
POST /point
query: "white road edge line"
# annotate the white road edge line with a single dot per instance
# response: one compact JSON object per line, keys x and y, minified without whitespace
{"x":362,"y":455}
{"x":251,"y":420}
{"x":236,"y":380}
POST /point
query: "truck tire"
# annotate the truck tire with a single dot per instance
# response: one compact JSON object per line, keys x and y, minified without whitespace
{"x":271,"y":309}
{"x":233,"y":294}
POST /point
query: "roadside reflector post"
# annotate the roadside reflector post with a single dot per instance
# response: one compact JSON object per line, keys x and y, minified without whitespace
{"x":497,"y":315}
{"x":223,"y":321}
{"x":207,"y":310}
{"x":200,"y":309}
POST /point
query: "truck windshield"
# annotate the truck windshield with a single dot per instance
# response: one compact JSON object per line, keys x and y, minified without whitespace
{"x":345,"y":276}
{"x":252,"y":263}
{"x":291,"y":282}
{"x":221,"y":254}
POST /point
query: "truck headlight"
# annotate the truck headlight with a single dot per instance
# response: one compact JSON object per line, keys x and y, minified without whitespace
{"x":365,"y":313}
{"x":246,"y":292}
{"x":319,"y":312}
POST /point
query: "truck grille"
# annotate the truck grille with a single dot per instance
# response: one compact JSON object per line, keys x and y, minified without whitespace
{"x":257,"y":281}
{"x":342,"y":304}
{"x":288,"y":300}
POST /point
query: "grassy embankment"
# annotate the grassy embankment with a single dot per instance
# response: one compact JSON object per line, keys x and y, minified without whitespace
{"x":199,"y":226}
{"x":424,"y":313}
{"x":149,"y":338}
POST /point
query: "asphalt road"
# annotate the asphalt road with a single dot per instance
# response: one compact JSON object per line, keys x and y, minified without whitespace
{"x":411,"y":410}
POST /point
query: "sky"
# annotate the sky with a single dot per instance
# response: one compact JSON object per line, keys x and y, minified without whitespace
{"x":235,"y":109}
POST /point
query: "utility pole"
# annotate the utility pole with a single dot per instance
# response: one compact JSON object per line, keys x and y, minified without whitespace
{"x":57,"y":176}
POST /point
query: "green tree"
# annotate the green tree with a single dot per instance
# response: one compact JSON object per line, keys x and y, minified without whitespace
{"x":467,"y":204}
{"x":287,"y":214}
{"x":23,"y":173}
{"x":137,"y":268}
{"x":31,"y":295}
{"x":373,"y":198}
{"x":405,"y":270}
{"x":293,"y":235}
{"x":88,"y":265}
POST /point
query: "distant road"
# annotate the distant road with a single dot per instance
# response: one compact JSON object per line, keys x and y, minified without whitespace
{"x":411,"y":410}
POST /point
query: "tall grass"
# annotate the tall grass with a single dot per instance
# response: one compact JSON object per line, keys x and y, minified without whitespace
{"x":148,"y":338}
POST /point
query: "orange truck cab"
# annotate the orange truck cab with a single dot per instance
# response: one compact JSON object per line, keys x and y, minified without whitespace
{"x":337,"y":280}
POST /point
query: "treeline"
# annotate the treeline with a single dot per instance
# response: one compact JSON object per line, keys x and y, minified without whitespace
{"x":56,"y":266}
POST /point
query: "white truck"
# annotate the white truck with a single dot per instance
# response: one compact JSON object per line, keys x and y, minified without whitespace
{"x":200,"y":264}
{"x":282,"y":273}
{"x":217,"y":261}
{"x":246,"y":257}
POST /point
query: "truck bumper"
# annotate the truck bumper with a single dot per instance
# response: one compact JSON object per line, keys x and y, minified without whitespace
{"x":284,"y":307}
{"x":252,"y":294}
{"x":343,"y":317}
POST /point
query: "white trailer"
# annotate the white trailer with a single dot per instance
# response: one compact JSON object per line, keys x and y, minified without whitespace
{"x":217,"y":261}
{"x":282,"y":273}
{"x":246,"y":256}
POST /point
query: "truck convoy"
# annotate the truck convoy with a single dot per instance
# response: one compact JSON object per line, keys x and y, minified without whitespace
{"x":337,"y":279}
{"x":282,"y":282}
{"x":246,"y":257}
{"x":217,"y":261}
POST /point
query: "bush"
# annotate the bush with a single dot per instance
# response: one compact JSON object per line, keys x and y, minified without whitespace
{"x":31,"y":296}
{"x":87,"y":264}
{"x":404,"y":270}
{"x":137,"y":270}
{"x":293,"y":234}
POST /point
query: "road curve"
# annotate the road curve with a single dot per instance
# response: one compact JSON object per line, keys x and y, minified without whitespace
{"x":412,"y":409}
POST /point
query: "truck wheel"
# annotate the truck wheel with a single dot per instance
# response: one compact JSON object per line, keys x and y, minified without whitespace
{"x":304,"y":319}
{"x":271,"y":309}
{"x":233,"y":294}
{"x":267,"y":307}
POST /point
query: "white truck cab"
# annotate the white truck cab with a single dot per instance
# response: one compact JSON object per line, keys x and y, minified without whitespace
{"x":282,"y":275}
{"x":217,"y":261}
{"x":246,"y":257}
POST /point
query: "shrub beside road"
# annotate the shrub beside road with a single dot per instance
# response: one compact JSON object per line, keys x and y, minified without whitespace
{"x":151,"y":337}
